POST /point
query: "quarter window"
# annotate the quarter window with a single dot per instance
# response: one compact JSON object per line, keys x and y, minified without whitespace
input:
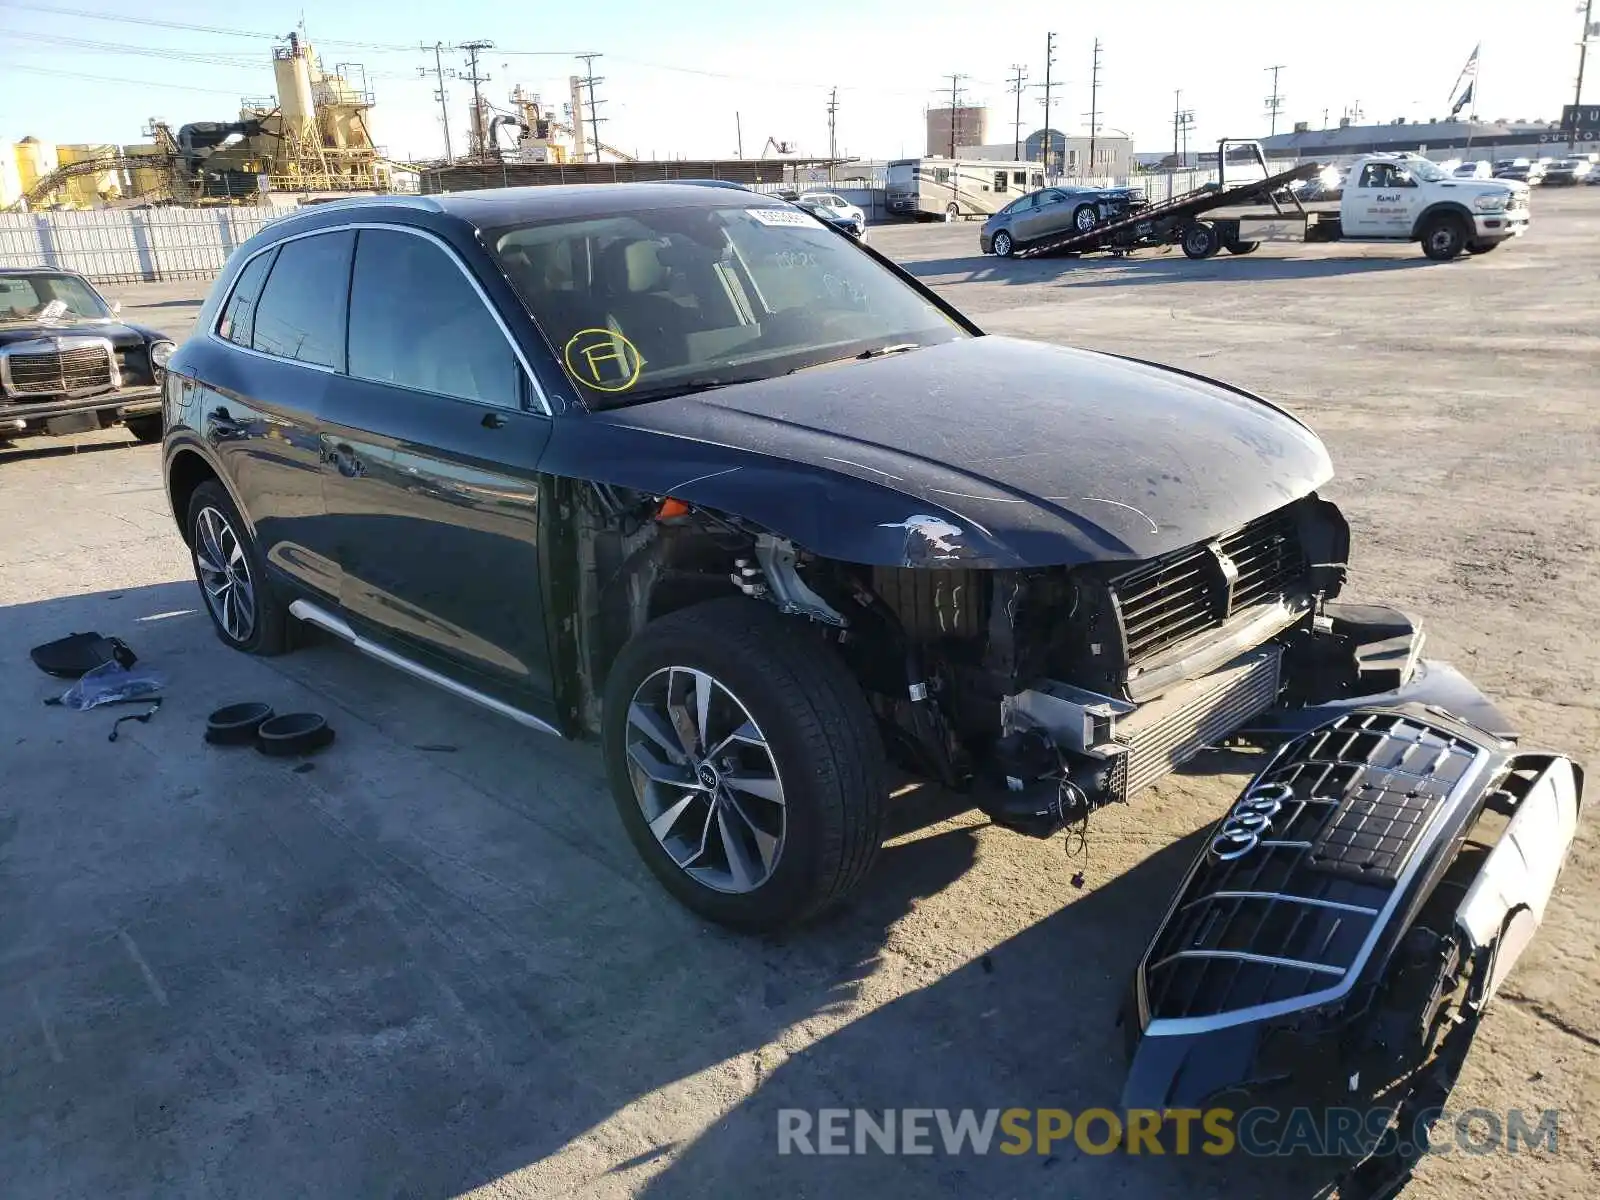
{"x":239,"y":314}
{"x":301,"y":311}
{"x":417,"y":322}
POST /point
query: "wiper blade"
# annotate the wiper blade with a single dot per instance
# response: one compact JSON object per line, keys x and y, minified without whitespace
{"x":892,"y":348}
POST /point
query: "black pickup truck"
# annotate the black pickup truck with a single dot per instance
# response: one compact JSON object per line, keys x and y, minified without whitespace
{"x":68,"y":365}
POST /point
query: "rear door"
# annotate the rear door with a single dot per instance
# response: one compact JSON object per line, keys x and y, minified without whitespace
{"x":261,"y":402}
{"x":432,"y":441}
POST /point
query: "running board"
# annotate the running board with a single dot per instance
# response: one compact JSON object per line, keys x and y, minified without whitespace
{"x":322,"y":619}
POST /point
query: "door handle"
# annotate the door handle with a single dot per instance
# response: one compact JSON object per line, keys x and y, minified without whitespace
{"x":494,"y":420}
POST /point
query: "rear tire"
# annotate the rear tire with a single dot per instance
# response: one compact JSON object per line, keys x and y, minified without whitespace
{"x":952,"y":211}
{"x":232,"y":574}
{"x":1242,"y":247}
{"x":146,"y":429}
{"x":1002,"y":245}
{"x":1482,"y":247}
{"x":1085,"y":217}
{"x":1201,"y":240}
{"x":808,"y":736}
{"x":1444,"y":237}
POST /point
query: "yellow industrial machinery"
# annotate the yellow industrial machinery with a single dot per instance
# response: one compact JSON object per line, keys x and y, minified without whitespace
{"x":314,"y":136}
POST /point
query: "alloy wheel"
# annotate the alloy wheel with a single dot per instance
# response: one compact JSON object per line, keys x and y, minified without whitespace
{"x":705,"y":779}
{"x":224,"y":572}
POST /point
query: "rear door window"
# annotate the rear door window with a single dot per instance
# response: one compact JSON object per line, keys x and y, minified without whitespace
{"x":239,"y":314}
{"x":416,"y":321}
{"x":301,"y":312}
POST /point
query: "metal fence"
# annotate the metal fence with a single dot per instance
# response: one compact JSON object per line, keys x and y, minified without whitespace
{"x":131,"y":245}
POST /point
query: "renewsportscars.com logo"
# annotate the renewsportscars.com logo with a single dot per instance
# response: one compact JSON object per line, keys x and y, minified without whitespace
{"x":1259,"y":1132}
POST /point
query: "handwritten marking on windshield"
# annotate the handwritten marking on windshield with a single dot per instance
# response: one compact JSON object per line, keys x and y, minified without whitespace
{"x":860,"y":466}
{"x":1154,"y":528}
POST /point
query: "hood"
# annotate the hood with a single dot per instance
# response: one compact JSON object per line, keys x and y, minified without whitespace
{"x":123,"y":336}
{"x":1486,"y":187}
{"x":985,"y":451}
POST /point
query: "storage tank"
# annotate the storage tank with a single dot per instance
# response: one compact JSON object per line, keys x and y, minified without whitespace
{"x":35,"y":160}
{"x":971,"y":123}
{"x":291,"y":68}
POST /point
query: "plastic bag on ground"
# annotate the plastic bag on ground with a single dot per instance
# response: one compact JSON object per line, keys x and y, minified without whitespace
{"x":111,"y":684}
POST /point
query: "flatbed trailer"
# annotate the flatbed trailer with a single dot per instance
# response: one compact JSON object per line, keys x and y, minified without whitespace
{"x":1169,"y":222}
{"x":1388,"y":198}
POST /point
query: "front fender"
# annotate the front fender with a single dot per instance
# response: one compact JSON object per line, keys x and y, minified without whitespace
{"x":828,"y":513}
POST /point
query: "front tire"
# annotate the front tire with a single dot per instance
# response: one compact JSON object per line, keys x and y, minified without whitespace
{"x":1002,"y":245}
{"x":1444,"y":237}
{"x":745,"y":764}
{"x":1243,"y":247}
{"x":146,"y":429}
{"x":1084,"y":218}
{"x":952,"y":211}
{"x":232,"y":574}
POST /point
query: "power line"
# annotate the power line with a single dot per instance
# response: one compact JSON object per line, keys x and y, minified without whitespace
{"x":1049,"y":62}
{"x":955,"y":104}
{"x":589,"y":80}
{"x":439,"y":94}
{"x":1016,"y":125}
{"x":185,"y":87}
{"x":1583,"y":56}
{"x":1182,"y":122}
{"x":1094,"y":103}
{"x":475,"y":130}
{"x":1275,"y":101}
{"x":833,"y":142}
{"x":190,"y":27}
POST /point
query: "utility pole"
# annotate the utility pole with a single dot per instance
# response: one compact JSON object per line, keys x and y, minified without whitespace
{"x":1016,"y":126}
{"x":589,"y":80}
{"x":1094,"y":104}
{"x":955,"y":103}
{"x":738,"y":133}
{"x":476,"y":147}
{"x":833,"y":144}
{"x":1275,"y":101}
{"x":1583,"y":55}
{"x":1182,"y":122}
{"x":439,"y":94}
{"x":1049,"y":61}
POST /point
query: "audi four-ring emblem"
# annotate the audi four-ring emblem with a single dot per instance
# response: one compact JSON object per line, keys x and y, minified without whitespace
{"x":1251,"y":817}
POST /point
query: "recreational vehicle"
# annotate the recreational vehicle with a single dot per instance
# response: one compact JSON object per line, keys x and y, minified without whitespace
{"x":958,"y":187}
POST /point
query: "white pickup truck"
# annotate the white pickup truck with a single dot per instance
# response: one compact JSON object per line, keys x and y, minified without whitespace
{"x":1386,"y":198}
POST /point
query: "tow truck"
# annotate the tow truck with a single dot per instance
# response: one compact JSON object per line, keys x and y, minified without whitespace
{"x":1388,"y":198}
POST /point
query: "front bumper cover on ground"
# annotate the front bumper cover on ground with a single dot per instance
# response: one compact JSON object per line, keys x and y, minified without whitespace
{"x":1292,"y":917}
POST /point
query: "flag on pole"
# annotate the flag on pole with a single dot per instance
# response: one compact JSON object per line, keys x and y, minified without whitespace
{"x":1469,"y":74}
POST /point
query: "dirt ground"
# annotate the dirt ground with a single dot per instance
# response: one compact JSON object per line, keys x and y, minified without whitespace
{"x":430,"y":965}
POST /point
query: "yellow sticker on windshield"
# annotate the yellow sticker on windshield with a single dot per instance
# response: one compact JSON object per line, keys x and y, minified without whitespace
{"x":603,"y":359}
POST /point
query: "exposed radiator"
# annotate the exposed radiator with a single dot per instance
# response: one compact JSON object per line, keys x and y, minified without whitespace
{"x":1174,"y":728}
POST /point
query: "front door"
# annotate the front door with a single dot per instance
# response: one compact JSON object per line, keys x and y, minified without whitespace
{"x":259,"y":408}
{"x":431,"y":483}
{"x":1382,"y":204}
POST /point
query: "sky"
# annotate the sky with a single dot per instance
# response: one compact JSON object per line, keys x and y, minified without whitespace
{"x":683,"y":77}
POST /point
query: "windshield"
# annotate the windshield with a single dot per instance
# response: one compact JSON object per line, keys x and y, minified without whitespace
{"x":644,"y":305}
{"x":28,"y":297}
{"x":1424,"y":170}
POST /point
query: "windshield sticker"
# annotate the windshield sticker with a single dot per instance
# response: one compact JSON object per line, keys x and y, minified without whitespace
{"x":603,"y":359}
{"x":782,"y":216}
